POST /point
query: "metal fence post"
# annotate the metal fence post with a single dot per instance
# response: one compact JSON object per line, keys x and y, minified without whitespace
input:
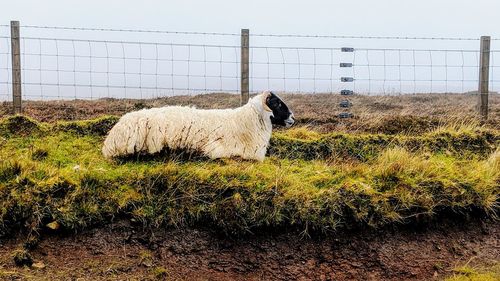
{"x":484,"y":68}
{"x":16,"y":66}
{"x":245,"y":66}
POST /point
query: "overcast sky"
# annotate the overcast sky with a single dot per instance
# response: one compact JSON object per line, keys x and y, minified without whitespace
{"x":424,"y":18}
{"x":455,"y":18}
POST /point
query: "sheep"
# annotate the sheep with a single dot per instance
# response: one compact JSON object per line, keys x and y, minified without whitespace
{"x":216,"y":133}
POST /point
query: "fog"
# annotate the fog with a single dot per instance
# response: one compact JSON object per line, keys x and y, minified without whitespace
{"x":148,"y":64}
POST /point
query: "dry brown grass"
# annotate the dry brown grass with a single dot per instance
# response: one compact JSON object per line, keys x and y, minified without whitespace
{"x":388,"y":114}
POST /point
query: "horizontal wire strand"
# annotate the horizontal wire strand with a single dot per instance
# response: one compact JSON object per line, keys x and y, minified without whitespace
{"x":285,"y":76}
{"x":235,"y":46}
{"x":254,"y":34}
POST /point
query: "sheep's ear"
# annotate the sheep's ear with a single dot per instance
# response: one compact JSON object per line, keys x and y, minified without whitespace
{"x":265,"y":100}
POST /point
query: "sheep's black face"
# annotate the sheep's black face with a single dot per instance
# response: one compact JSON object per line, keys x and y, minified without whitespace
{"x":281,"y":114}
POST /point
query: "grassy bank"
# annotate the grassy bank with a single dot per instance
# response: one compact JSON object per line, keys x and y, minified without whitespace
{"x":52,"y":176}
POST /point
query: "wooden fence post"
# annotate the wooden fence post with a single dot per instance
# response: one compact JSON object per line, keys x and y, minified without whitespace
{"x":484,"y":76}
{"x":245,"y":66}
{"x":16,"y":66}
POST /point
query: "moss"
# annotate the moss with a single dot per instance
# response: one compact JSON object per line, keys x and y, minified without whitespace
{"x":240,"y":196}
{"x":391,"y":180}
{"x":39,"y":154}
{"x":146,"y":259}
{"x":302,"y":143}
{"x":19,"y":125}
{"x":9,"y":170}
{"x":160,"y":273}
{"x":302,"y":133}
{"x":99,"y":127}
{"x":467,"y":273}
{"x":364,"y":147}
{"x":22,"y":257}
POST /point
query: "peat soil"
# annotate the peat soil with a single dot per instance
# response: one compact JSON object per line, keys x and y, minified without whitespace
{"x":121,"y":251}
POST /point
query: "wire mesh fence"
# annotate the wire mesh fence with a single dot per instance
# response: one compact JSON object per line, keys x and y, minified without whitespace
{"x":95,"y":69}
{"x":70,"y":63}
{"x":373,"y":71}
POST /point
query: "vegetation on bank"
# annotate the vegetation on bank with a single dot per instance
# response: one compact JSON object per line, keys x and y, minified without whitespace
{"x":467,"y":273}
{"x":53,"y":177}
{"x":386,"y":114}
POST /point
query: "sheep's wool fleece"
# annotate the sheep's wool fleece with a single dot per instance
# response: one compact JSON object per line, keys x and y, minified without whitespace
{"x":216,"y":133}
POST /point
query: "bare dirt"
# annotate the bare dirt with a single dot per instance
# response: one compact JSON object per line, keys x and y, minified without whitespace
{"x":122,"y":252}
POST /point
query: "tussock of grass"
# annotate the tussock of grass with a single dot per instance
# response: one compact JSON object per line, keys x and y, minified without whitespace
{"x":22,"y":257}
{"x":99,"y":126}
{"x":467,"y":273}
{"x":19,"y":125}
{"x":60,"y":176}
{"x":303,"y":144}
{"x":463,"y":125}
{"x":407,"y":124}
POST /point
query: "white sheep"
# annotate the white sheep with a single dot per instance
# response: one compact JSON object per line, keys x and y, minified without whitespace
{"x":217,"y":133}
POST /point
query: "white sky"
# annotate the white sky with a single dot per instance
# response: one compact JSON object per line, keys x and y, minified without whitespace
{"x":451,"y":18}
{"x":424,"y":18}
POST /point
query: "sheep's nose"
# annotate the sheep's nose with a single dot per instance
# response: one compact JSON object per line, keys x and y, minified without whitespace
{"x":290,"y":121}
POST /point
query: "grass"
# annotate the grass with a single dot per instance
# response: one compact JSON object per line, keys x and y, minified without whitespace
{"x":393,"y":114}
{"x":459,"y":141}
{"x":467,"y":273}
{"x":54,"y":175}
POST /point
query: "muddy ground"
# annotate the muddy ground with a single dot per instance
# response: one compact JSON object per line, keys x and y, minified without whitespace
{"x":123,"y":252}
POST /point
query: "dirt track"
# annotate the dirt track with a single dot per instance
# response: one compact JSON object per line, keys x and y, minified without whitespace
{"x":120,"y":252}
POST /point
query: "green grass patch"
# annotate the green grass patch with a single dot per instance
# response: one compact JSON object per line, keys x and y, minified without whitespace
{"x":467,"y":273}
{"x":304,"y":144}
{"x":99,"y":126}
{"x":19,"y":125}
{"x":57,"y":176}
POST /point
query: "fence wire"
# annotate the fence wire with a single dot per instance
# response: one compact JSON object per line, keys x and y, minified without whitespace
{"x":373,"y":71}
{"x":5,"y":70}
{"x":92,"y":69}
{"x":69,"y":68}
{"x":256,"y":34}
